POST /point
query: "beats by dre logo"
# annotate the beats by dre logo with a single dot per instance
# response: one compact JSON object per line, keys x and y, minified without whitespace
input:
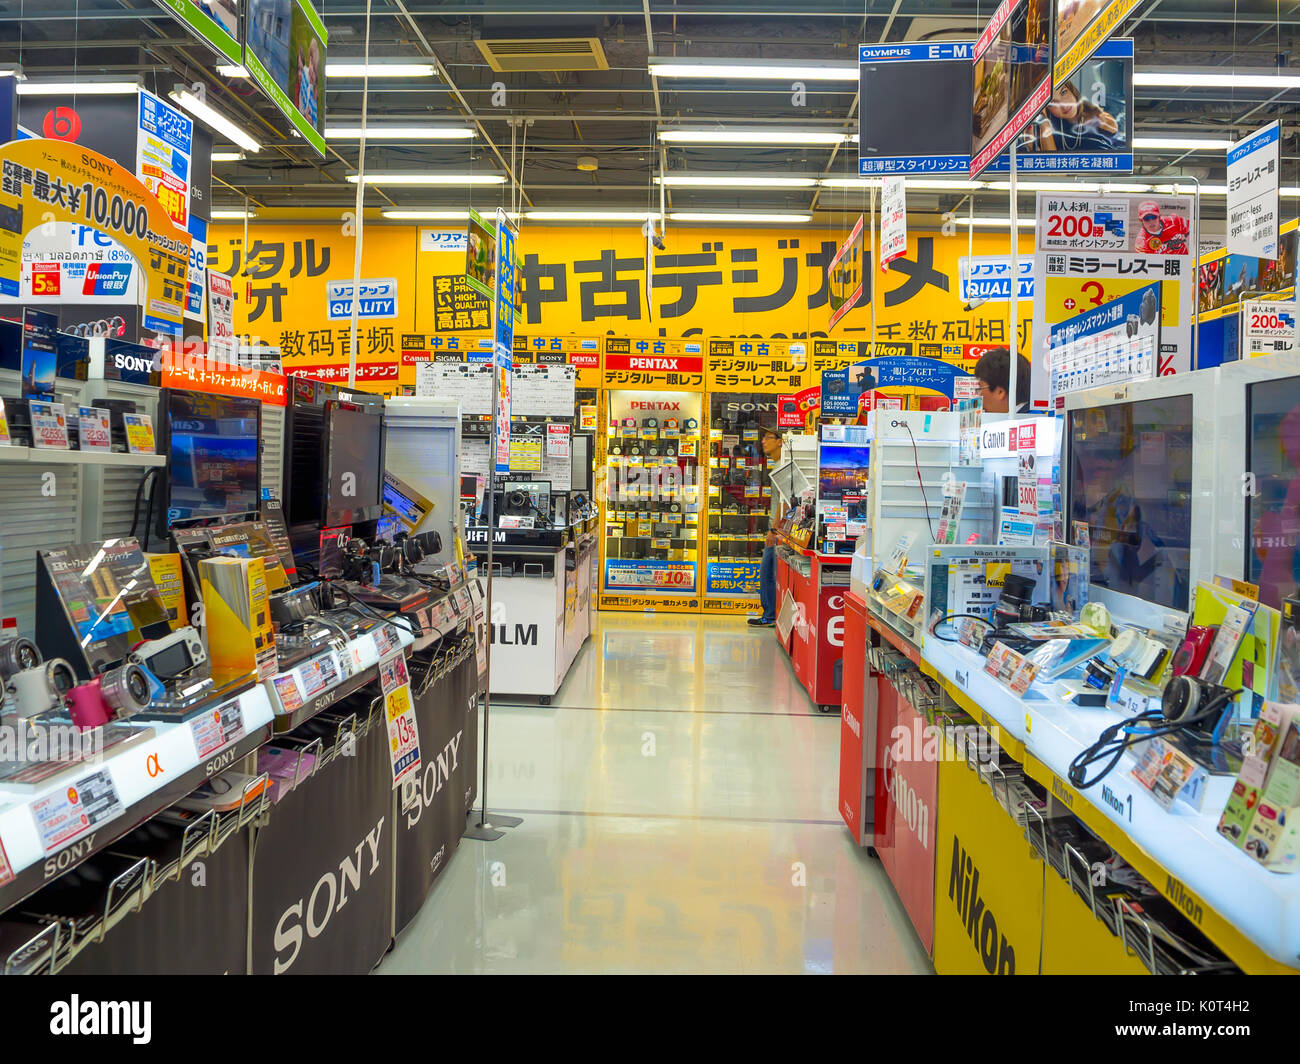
{"x":61,"y":123}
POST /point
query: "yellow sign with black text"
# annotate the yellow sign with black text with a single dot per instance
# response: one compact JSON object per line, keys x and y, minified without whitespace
{"x":43,"y":181}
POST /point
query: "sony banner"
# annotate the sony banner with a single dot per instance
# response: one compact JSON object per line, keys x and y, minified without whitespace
{"x":323,"y":870}
{"x":432,"y":806}
{"x":194,"y":925}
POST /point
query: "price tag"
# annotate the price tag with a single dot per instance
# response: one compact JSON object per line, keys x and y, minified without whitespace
{"x":139,"y":433}
{"x":217,"y":728}
{"x":385,"y":641}
{"x":290,"y":694}
{"x":71,"y":812}
{"x":403,"y":736}
{"x":49,"y":425}
{"x":93,"y":430}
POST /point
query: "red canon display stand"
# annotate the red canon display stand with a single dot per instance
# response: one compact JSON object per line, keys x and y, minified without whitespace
{"x":816,"y":641}
{"x":855,"y":722}
{"x":907,"y":789}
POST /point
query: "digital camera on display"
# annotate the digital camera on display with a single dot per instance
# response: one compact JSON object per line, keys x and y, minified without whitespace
{"x":174,"y":655}
{"x":17,"y":655}
{"x":41,"y":689}
{"x":117,"y":693}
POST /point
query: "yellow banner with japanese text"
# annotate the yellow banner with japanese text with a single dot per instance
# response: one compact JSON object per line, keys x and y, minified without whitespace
{"x":586,"y":283}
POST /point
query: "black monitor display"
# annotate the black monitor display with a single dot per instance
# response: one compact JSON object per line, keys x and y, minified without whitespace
{"x":355,"y":463}
{"x":1130,"y":479}
{"x":304,"y":462}
{"x":1273,"y":511}
{"x":214,"y":454}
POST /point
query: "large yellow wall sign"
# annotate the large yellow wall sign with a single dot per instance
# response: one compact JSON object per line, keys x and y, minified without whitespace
{"x":44,"y":181}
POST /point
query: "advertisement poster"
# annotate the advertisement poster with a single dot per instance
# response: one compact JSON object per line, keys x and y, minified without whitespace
{"x":1268,"y":328}
{"x":197,"y":286}
{"x":221,"y":315}
{"x":480,"y":253}
{"x":1086,"y":125}
{"x":732,"y":578}
{"x":893,"y":221}
{"x":1012,"y":77}
{"x":53,"y":181}
{"x":39,"y":359}
{"x":285,"y":55}
{"x":846,"y":274}
{"x":66,"y":261}
{"x":1113,"y":344}
{"x":215,"y":21}
{"x":1222,"y":281}
{"x":1253,"y":173}
{"x":1082,"y":26}
{"x":843,"y":389}
{"x":1092,"y":249}
{"x":650,"y":576}
{"x":504,"y":313}
{"x":163,"y":149}
{"x":403,"y":737}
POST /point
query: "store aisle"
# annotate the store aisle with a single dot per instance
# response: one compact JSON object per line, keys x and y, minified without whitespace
{"x":679,"y":816}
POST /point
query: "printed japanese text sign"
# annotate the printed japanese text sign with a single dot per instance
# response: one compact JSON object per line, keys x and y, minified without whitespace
{"x":44,"y":181}
{"x":893,"y":221}
{"x":1082,"y":27}
{"x":1253,"y":171}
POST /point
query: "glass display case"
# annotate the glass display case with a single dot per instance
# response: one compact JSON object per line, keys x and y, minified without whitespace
{"x":739,"y":496}
{"x":652,"y":528}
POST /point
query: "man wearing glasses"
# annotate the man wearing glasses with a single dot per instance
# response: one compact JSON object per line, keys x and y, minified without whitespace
{"x":993,"y":373}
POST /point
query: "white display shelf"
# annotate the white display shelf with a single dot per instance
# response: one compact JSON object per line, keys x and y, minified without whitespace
{"x":104,"y":458}
{"x":13,"y":453}
{"x":138,"y":771}
{"x":1249,"y":912}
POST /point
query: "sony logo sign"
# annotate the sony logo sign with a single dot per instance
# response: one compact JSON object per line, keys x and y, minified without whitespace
{"x":327,"y":897}
{"x":436,"y":773}
{"x":65,"y":859}
{"x":219,"y":762}
{"x":133,"y":363}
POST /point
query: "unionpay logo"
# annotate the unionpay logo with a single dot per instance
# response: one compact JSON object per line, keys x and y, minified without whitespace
{"x":106,"y":279}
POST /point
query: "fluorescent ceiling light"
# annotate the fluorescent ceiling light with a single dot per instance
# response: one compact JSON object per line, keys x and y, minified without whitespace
{"x":929,"y":184}
{"x":1043,"y":186}
{"x":750,"y":136}
{"x":231,"y":213}
{"x":734,"y":181}
{"x":721,"y":216}
{"x":227,"y":156}
{"x":432,"y":214}
{"x":214,"y":119}
{"x":357,"y":69}
{"x":1181,"y":144}
{"x":379,"y":131}
{"x":1216,"y":79}
{"x":231,"y":70}
{"x":589,"y":216}
{"x":750,"y":71}
{"x":77,"y":88}
{"x":996,"y":223}
{"x":431,"y":179}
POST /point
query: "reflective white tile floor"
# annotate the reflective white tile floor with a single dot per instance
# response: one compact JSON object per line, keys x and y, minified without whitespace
{"x":679,"y":804}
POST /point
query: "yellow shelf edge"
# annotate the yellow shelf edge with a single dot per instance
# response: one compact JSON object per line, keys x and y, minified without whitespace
{"x":1217,"y":928}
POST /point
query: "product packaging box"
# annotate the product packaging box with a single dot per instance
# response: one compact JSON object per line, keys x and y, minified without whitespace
{"x":237,"y":620}
{"x":166,"y":572}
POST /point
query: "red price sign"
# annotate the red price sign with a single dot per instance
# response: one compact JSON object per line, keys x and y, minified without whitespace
{"x":45,"y":281}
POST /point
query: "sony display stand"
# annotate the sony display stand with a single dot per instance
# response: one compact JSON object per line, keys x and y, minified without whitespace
{"x":485,"y":830}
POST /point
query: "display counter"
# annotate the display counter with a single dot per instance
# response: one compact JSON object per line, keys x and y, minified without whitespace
{"x":542,"y":591}
{"x":1247,"y":911}
{"x":810,"y":589}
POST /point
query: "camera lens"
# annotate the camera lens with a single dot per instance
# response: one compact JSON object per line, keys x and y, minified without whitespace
{"x":62,"y":678}
{"x":126,"y":689}
{"x":17,"y":655}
